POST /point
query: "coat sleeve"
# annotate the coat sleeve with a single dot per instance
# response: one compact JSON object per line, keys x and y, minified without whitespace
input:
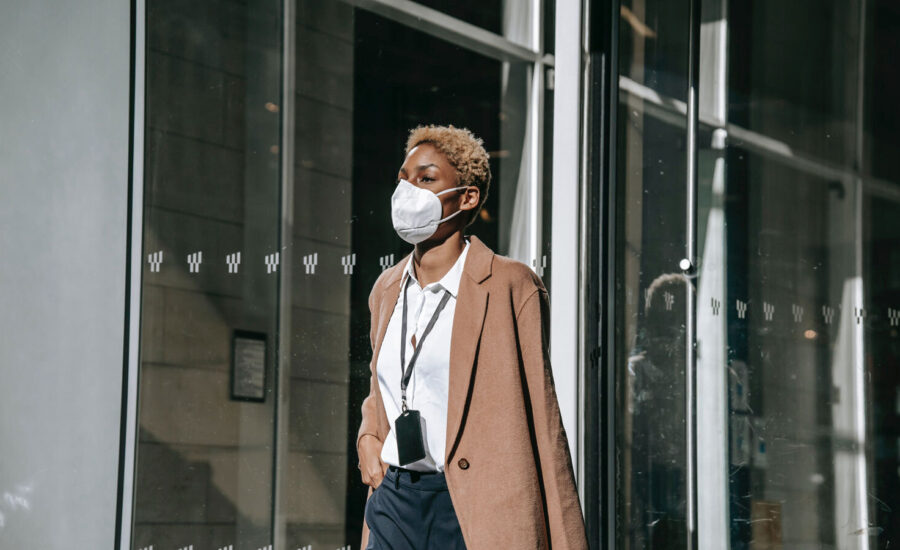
{"x":565,"y":522}
{"x":369,"y":408}
{"x":369,"y":424}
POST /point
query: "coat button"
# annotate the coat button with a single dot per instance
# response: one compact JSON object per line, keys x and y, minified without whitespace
{"x":463,"y":463}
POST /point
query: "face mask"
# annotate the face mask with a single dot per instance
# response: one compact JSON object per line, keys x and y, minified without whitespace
{"x":416,"y":212}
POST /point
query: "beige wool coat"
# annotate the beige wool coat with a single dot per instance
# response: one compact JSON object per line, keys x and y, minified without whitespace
{"x":507,"y":463}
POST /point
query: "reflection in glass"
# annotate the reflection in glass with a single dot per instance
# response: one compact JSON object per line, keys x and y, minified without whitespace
{"x":261,"y":254}
{"x":798,"y":433}
{"x":363,"y":82}
{"x":650,"y":329}
{"x":650,"y":323}
{"x":204,"y":464}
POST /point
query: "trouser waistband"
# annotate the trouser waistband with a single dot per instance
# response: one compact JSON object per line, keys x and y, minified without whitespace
{"x":423,"y":481}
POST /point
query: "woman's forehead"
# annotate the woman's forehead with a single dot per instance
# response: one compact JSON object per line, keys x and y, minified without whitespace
{"x":423,"y":156}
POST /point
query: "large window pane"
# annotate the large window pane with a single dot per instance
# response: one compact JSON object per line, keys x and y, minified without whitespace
{"x":651,"y":294}
{"x":382,"y":80}
{"x":209,"y":312}
{"x":794,"y":357}
{"x":511,"y":19}
{"x":795,"y":333}
{"x":793,"y":73}
{"x":881,"y":90}
{"x":255,"y":344}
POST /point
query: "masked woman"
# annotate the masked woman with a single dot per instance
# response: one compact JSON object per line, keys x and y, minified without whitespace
{"x":461,"y":440}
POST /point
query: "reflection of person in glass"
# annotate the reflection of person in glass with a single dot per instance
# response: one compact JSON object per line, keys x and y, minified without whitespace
{"x":461,"y":440}
{"x":654,"y":451}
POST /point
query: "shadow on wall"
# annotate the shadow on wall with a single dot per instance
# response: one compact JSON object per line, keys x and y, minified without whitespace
{"x":179,"y":502}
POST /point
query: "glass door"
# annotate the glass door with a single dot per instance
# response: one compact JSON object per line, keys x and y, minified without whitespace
{"x":652,"y":292}
{"x":776,"y":424}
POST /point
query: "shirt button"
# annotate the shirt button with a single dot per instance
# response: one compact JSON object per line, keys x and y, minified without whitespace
{"x":463,"y":463}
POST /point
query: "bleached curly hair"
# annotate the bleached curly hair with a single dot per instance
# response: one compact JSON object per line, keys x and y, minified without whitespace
{"x":464,"y":152}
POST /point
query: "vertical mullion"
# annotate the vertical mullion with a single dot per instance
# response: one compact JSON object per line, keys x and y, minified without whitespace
{"x":607,"y":255}
{"x":535,"y":145}
{"x":564,"y":287}
{"x":285,"y":242}
{"x":535,"y":133}
{"x":131,"y":374}
{"x":584,"y":263}
{"x":859,"y":356}
{"x":688,"y":265}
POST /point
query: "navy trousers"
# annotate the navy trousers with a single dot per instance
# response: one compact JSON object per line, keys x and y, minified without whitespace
{"x":412,"y":511}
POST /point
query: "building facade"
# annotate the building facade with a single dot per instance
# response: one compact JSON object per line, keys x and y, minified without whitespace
{"x":197,"y":203}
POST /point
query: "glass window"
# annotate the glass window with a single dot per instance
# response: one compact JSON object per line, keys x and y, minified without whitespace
{"x":209,"y":302}
{"x":796,"y":281}
{"x":650,"y":325}
{"x":881,"y":90}
{"x":486,"y":14}
{"x":511,"y":19}
{"x":793,"y":73}
{"x":261,"y":254}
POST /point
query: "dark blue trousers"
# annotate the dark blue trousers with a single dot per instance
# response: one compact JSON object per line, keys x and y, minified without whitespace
{"x":412,"y":511}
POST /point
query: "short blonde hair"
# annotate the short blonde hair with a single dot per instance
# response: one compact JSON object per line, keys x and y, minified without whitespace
{"x":464,"y":152}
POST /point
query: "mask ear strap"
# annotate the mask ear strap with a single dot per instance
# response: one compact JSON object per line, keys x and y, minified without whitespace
{"x":452,"y":189}
{"x":447,"y":191}
{"x":448,"y":217}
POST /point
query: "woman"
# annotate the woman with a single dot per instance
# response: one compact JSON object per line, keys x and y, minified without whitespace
{"x":461,"y":440}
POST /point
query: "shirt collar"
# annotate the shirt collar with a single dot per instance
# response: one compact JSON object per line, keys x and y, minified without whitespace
{"x":449,"y":282}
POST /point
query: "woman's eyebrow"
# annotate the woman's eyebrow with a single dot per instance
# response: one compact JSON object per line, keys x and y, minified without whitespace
{"x":419,"y":168}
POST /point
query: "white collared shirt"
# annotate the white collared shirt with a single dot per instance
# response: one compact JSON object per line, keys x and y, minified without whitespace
{"x":428,"y":385}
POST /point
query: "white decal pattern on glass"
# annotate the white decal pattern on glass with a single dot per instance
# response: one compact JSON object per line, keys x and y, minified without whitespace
{"x":233,"y":261}
{"x":348,"y":262}
{"x":155,"y":260}
{"x":386,"y":261}
{"x":741,"y":309}
{"x":539,"y":268}
{"x":272,"y":261}
{"x":827,"y":314}
{"x":797,"y":312}
{"x":310,"y":261}
{"x":194,"y":260}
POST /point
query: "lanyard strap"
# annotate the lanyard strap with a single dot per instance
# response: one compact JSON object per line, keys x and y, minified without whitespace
{"x":407,"y":372}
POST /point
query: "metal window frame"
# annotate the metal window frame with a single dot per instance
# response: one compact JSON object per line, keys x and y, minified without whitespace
{"x":673,"y":111}
{"x":281,"y":446}
{"x":456,"y":31}
{"x":566,"y":352}
{"x":134,"y":274}
{"x":598,"y":267}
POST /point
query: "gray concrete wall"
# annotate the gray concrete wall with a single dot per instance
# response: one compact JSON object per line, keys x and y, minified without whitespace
{"x":64,"y":94}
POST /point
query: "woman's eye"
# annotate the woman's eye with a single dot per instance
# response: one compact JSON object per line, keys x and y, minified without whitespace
{"x":426,"y":178}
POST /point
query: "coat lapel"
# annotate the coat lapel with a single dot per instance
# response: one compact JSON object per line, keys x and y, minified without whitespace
{"x":468,"y":321}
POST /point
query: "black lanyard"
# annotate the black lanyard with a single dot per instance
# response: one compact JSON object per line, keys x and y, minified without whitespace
{"x":404,"y":380}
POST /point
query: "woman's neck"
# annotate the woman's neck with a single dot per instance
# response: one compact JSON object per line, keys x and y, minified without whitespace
{"x":432,"y":261}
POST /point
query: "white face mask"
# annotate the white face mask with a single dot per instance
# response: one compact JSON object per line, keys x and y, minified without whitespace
{"x":416,"y":212}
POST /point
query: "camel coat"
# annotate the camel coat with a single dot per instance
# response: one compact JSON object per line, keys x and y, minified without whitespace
{"x":507,"y":463}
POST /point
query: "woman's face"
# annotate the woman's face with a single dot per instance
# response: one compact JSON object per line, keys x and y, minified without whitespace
{"x":427,"y":168}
